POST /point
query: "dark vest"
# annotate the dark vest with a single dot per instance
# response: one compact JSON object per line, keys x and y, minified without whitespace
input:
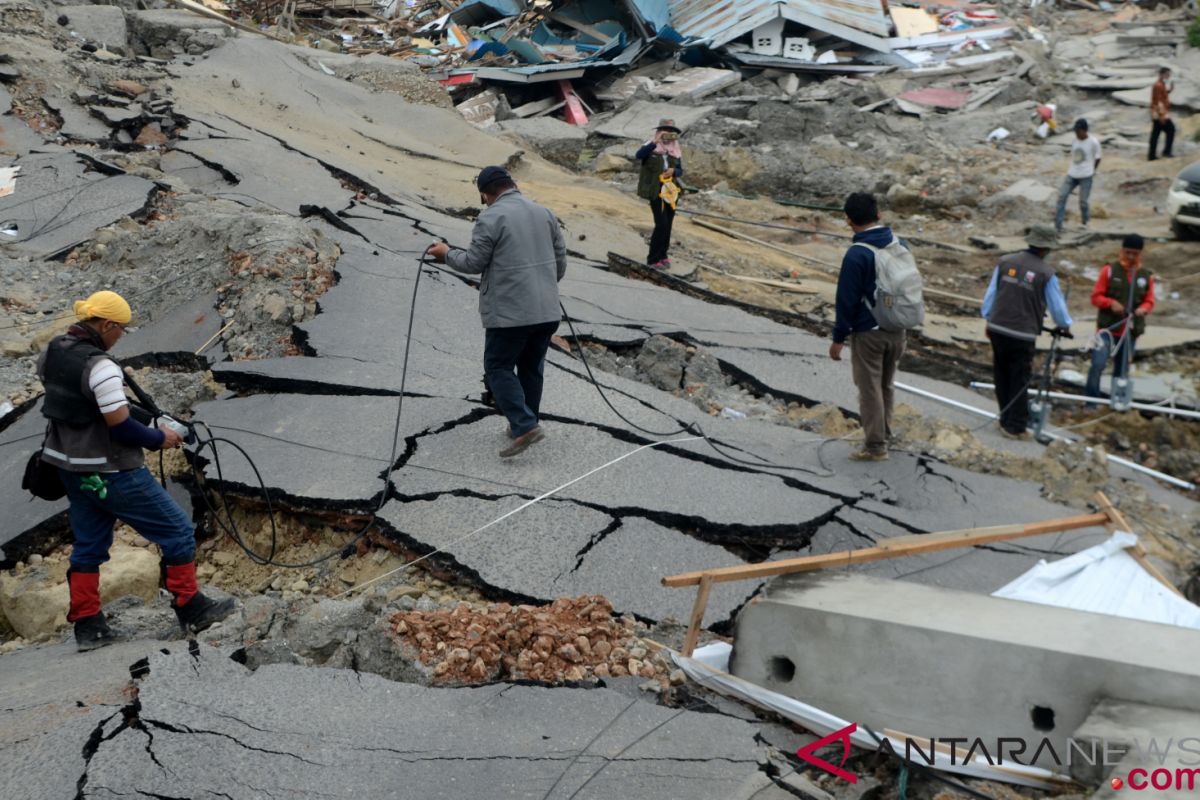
{"x":1118,"y":289}
{"x":1020,"y":302}
{"x":66,"y":360}
{"x":654,"y":165}
{"x":78,"y":439}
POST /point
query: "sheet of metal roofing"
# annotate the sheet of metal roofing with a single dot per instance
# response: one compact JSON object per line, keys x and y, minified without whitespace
{"x":717,"y":22}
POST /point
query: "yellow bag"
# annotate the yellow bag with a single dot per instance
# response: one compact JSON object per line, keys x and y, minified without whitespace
{"x":669,"y":193}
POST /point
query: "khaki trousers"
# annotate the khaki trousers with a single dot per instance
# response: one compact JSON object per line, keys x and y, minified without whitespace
{"x":873,"y":359}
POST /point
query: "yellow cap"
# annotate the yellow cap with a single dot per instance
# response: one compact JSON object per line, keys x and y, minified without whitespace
{"x":104,"y":305}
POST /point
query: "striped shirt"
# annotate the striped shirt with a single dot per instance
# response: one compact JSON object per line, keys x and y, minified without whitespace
{"x":107,"y":385}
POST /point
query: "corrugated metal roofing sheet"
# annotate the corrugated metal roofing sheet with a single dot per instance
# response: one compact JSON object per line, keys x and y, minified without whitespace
{"x":717,"y":22}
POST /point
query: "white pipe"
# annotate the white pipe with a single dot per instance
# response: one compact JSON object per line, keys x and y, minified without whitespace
{"x":1175,"y":412}
{"x":1162,"y":476}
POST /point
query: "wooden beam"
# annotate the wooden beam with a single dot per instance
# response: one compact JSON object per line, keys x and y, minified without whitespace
{"x":583,"y":28}
{"x":770,"y":245}
{"x":1117,"y":521}
{"x":196,"y":8}
{"x":832,"y":267}
{"x":693,"y":631}
{"x":916,"y":545}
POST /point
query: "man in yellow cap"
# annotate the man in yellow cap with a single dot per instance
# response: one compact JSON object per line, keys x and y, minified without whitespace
{"x":98,"y":448}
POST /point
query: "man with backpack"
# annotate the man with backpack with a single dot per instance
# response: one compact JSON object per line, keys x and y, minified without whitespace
{"x":878,"y":298}
{"x":1022,"y":289}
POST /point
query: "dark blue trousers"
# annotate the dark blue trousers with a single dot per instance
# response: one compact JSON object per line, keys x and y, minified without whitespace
{"x":513,"y":360}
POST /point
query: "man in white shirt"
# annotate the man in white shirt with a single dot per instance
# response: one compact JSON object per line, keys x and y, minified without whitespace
{"x":1085,"y":160}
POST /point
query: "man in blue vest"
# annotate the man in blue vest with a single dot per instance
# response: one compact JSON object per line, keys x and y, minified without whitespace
{"x":1022,"y":288}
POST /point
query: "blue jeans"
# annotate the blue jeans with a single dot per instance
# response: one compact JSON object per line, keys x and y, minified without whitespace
{"x":1064,"y":191}
{"x":1107,"y":347}
{"x":523,"y":348}
{"x":134,"y":497}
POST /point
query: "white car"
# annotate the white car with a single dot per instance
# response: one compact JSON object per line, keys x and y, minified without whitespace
{"x":1183,"y":203}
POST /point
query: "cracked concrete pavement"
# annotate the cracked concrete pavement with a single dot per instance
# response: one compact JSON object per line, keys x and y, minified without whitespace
{"x":138,"y":721}
{"x":381,"y":180}
{"x":318,"y":424}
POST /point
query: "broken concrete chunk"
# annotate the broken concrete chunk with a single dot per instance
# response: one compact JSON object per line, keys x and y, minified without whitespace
{"x":551,"y":138}
{"x":104,"y":25}
{"x":116,"y":117}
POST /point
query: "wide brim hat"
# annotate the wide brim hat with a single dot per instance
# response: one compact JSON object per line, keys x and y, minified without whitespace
{"x":668,"y":125}
{"x":1042,"y":236}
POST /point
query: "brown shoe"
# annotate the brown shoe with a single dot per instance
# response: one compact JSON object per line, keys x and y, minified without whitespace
{"x":523,"y":441}
{"x":1023,"y":436}
{"x":869,"y":455}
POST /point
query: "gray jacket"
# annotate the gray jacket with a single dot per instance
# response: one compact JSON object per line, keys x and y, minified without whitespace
{"x":517,"y":247}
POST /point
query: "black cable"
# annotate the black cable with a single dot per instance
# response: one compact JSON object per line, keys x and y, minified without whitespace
{"x":208,"y":440}
{"x":691,"y":427}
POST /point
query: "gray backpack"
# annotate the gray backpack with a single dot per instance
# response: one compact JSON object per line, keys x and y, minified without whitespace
{"x":899,"y":304}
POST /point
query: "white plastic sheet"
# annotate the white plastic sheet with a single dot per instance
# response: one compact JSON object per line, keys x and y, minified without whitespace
{"x":1103,"y":579}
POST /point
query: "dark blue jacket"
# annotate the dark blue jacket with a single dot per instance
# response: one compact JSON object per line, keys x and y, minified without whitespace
{"x":856,"y":282}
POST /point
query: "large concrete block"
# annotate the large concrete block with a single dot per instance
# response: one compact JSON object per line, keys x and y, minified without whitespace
{"x":937,"y":663}
{"x":553,"y":139}
{"x":103,"y":25}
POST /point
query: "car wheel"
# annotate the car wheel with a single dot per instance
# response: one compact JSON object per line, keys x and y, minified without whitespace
{"x":1183,"y":232}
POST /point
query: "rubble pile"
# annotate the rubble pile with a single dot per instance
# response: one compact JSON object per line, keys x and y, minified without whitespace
{"x":571,"y":639}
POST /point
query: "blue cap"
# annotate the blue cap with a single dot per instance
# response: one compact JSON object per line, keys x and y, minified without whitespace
{"x":490,"y":175}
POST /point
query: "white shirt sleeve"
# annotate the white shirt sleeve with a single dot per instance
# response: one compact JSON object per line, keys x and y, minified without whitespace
{"x":1095,"y":150}
{"x":107,"y":385}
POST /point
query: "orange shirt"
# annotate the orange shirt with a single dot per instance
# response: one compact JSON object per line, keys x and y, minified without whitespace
{"x":1160,"y":103}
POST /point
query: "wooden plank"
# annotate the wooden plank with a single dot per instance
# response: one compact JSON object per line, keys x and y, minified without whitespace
{"x":946,"y":536}
{"x":196,"y":8}
{"x":917,"y":546}
{"x":769,"y":245}
{"x":582,"y":27}
{"x":693,"y":631}
{"x":1117,"y":521}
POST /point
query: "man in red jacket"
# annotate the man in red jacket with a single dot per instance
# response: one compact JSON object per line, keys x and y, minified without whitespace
{"x":1123,"y":293}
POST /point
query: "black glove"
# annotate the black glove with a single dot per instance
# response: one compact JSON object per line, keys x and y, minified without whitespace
{"x":1064,"y":333}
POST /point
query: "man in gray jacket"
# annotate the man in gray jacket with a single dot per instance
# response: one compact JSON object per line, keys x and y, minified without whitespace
{"x":518,"y":249}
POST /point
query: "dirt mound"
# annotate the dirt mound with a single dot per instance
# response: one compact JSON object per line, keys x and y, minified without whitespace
{"x":569,"y":640}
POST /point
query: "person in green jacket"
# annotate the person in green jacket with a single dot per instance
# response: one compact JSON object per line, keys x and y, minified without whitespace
{"x":662,"y":159}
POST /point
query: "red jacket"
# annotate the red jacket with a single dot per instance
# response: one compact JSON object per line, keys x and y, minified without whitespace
{"x":1100,"y":297}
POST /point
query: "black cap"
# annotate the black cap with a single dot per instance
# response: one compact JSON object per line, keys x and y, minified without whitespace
{"x":490,"y":175}
{"x":1081,"y":124}
{"x":1133,"y":242}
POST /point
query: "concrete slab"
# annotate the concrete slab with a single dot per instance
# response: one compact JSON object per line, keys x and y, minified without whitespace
{"x":560,"y":549}
{"x":845,"y":643}
{"x":319,"y":451}
{"x":211,"y":725}
{"x":352,"y":376}
{"x":192,"y":171}
{"x":657,"y":484}
{"x":17,"y":138}
{"x":78,"y":123}
{"x":176,"y":332}
{"x":23,"y":513}
{"x":641,"y":117}
{"x":266,"y":172}
{"x":52,"y":700}
{"x":102,"y":25}
{"x":58,"y":204}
